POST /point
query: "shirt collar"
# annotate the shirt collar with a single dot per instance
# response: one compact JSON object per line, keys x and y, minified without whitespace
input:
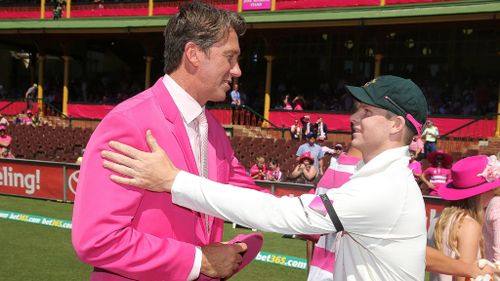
{"x":187,"y":105}
{"x":382,"y":161}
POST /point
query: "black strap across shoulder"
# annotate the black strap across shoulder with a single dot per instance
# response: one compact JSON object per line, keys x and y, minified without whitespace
{"x":331,"y":212}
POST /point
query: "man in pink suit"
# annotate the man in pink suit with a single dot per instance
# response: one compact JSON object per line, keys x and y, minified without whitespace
{"x":128,"y":233}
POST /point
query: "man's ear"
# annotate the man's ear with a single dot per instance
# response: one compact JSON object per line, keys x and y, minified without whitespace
{"x":399,"y":123}
{"x":192,"y":54}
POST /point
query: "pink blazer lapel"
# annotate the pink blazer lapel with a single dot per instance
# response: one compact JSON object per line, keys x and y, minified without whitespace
{"x":173,"y":115}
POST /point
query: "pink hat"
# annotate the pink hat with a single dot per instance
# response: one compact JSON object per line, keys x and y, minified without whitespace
{"x":472,"y":176}
{"x":3,"y":127}
{"x":254,"y":243}
{"x":306,"y":155}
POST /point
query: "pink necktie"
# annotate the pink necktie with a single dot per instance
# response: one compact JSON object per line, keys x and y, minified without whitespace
{"x":203,"y":131}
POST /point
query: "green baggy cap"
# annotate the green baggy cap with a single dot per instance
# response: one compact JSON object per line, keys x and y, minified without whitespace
{"x":397,"y":95}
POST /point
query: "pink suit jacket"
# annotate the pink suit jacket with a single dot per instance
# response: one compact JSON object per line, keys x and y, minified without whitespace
{"x":129,"y":233}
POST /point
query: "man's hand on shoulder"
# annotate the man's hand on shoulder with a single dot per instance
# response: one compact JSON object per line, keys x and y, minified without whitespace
{"x":147,"y":170}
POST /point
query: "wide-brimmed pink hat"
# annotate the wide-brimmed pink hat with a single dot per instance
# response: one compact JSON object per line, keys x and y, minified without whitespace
{"x":306,"y":155}
{"x":447,"y":160}
{"x":472,"y":176}
{"x":254,"y":243}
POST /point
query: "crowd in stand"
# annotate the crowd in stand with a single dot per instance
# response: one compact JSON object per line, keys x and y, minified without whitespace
{"x":467,"y":97}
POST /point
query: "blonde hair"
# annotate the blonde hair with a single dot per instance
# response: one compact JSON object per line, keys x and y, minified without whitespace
{"x":453,"y":216}
{"x":497,"y":191}
{"x":260,"y":160}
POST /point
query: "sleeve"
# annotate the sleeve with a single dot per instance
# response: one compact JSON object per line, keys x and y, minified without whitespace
{"x":418,"y":168}
{"x":250,"y":208}
{"x":104,"y":213}
{"x":358,"y":210}
{"x":300,"y":151}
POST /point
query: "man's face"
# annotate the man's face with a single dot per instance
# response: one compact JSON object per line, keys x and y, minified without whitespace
{"x":371,"y":128}
{"x":311,"y":140}
{"x":218,"y":67}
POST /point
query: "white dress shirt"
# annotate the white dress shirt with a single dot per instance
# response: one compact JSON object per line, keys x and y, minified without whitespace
{"x":190,"y":109}
{"x":381,"y":209}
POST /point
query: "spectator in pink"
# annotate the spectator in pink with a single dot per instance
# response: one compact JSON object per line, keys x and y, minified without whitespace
{"x":491,"y":227}
{"x":458,"y":232}
{"x":323,"y":254}
{"x":286,"y":103}
{"x":305,"y":171}
{"x":28,"y":120}
{"x":298,"y":103}
{"x":258,"y":170}
{"x":417,"y":145}
{"x":274,"y":172}
{"x":438,"y":174}
{"x":6,"y":153}
{"x":415,"y":166}
{"x":5,"y":139}
{"x":296,"y":130}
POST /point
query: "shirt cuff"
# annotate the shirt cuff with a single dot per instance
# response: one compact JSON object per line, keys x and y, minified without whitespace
{"x":195,"y":271}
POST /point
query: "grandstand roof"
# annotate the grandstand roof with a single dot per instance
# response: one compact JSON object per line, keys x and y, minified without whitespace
{"x":380,"y":15}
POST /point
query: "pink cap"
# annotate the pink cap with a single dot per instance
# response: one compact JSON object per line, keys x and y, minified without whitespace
{"x":254,"y":243}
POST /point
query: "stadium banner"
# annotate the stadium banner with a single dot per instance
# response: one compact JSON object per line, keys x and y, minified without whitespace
{"x":58,"y":181}
{"x":35,"y":219}
{"x":280,"y":259}
{"x":334,"y":121}
{"x":38,"y":179}
{"x":251,"y":5}
{"x":15,"y":107}
{"x":80,"y":110}
{"x":341,"y":122}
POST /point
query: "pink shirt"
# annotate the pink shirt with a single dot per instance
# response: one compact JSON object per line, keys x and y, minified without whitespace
{"x":255,"y":170}
{"x":415,"y":167}
{"x":491,"y":230}
{"x":417,"y":145}
{"x":276,"y":174}
{"x":5,"y":140}
{"x":438,"y":177}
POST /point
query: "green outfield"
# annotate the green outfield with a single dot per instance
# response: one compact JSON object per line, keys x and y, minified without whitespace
{"x":38,"y":252}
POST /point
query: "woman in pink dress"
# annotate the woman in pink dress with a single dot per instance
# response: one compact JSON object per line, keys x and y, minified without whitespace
{"x":458,"y":231}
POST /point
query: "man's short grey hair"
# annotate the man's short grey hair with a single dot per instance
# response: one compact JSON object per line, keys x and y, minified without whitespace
{"x":198,"y":23}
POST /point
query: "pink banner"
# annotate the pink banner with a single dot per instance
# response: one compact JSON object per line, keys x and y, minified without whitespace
{"x":169,"y":8}
{"x":14,"y":108}
{"x":249,"y":5}
{"x":92,"y":111}
{"x":314,"y":4}
{"x":341,"y":122}
{"x":224,"y":116}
